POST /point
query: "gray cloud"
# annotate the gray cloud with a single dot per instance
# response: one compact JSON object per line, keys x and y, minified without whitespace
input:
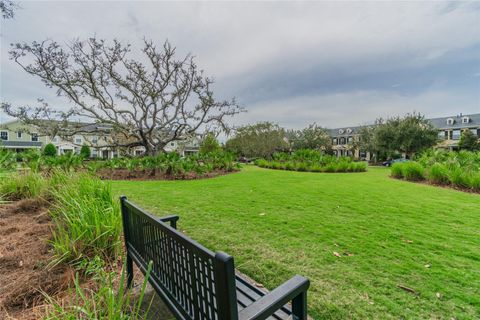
{"x":336,"y":63}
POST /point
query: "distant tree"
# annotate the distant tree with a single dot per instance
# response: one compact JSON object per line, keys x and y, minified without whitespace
{"x":85,"y":152}
{"x":365,"y":141}
{"x":312,"y":137}
{"x":7,"y":7}
{"x":410,"y":134}
{"x":148,"y":102}
{"x":469,"y":141}
{"x":209,"y":144}
{"x":49,"y":150}
{"x":258,"y":140}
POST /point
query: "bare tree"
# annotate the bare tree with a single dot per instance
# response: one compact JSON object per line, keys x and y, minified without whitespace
{"x":149,"y":103}
{"x":7,"y":8}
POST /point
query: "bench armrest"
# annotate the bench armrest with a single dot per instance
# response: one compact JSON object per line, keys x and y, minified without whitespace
{"x":267,"y":305}
{"x":172,"y":219}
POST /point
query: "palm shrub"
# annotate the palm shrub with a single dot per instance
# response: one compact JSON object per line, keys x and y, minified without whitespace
{"x":8,"y":160}
{"x":459,"y":178}
{"x":413,"y":171}
{"x":87,"y":220}
{"x":85,"y":152}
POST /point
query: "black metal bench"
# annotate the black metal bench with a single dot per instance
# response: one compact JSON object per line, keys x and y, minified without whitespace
{"x":196,"y":283}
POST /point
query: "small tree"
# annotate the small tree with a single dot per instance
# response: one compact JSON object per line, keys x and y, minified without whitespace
{"x":312,"y":137}
{"x":209,"y":144}
{"x":50,"y":150}
{"x":258,"y":140}
{"x":85,"y":151}
{"x":469,"y":141}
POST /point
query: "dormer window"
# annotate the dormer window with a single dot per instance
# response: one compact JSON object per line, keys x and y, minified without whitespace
{"x":349,"y":130}
{"x":450,"y":121}
{"x":465,"y":120}
{"x":341,"y":131}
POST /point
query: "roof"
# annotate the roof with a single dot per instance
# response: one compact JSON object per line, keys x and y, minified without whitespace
{"x":439,"y":123}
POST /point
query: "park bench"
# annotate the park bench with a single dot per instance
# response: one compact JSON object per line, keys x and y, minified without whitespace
{"x":196,"y":283}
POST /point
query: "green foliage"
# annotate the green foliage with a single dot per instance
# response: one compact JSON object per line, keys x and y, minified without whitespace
{"x":8,"y":159}
{"x":262,"y":139}
{"x":469,"y":141}
{"x":49,"y":150}
{"x":85,"y":152}
{"x":413,"y":171}
{"x":209,"y":144}
{"x":102,"y":302}
{"x":410,"y":134}
{"x":174,"y":165}
{"x":23,"y":186}
{"x":312,"y":137}
{"x":459,"y":169}
{"x":397,"y":170}
{"x":86,"y":217}
{"x":311,"y":160}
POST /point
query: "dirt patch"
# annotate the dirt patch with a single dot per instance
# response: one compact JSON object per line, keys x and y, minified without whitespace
{"x":141,"y":175}
{"x":25,"y":227}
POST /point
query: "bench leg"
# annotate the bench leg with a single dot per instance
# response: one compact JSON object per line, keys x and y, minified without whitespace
{"x":299,"y":307}
{"x":129,"y":271}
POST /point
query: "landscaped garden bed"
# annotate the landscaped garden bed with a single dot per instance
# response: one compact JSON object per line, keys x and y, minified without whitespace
{"x":459,"y":170}
{"x":311,"y":161}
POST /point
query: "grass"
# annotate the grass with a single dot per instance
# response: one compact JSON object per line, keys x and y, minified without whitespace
{"x":388,"y":232}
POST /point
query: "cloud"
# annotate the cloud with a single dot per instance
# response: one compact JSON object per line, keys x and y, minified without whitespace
{"x":268,"y":54}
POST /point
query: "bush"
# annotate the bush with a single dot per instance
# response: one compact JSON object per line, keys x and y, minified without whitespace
{"x":85,"y":152}
{"x":459,"y":178}
{"x":396,"y":170}
{"x":413,"y":171}
{"x":438,"y":173}
{"x":49,"y":150}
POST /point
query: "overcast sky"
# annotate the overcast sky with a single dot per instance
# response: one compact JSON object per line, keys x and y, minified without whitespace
{"x":334,"y":63}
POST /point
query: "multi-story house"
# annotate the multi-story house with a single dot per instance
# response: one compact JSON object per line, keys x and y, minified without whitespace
{"x":449,"y":132}
{"x":17,"y":136}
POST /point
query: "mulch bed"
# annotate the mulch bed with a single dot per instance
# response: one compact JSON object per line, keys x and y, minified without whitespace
{"x":25,"y":227}
{"x":142,"y":175}
{"x":446,"y":186}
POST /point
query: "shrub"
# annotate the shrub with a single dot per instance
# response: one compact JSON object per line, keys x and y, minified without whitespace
{"x":8,"y":160}
{"x":459,"y":178}
{"x":87,"y":219}
{"x":438,"y":173}
{"x":23,"y":186}
{"x":396,"y":170}
{"x":85,"y":152}
{"x":413,"y":171}
{"x":475,"y":182}
{"x":49,"y":150}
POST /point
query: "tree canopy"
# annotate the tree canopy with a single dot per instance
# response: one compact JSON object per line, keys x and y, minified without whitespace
{"x":258,"y":140}
{"x":312,"y":137}
{"x":469,"y":141}
{"x":148,"y":102}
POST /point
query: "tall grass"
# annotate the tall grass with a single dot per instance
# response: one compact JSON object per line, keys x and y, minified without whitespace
{"x":23,"y":186}
{"x":102,"y":302}
{"x":86,"y":217}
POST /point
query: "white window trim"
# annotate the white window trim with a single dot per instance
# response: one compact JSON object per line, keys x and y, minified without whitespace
{"x":450,"y":121}
{"x":19,"y":134}
{"x":32,"y":135}
{"x":8,"y":135}
{"x":465,"y":120}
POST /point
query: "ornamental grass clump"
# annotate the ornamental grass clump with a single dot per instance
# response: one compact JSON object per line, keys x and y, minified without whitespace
{"x":413,"y":171}
{"x":86,"y":217}
{"x":438,"y":174}
{"x":25,"y":185}
{"x":396,"y":170}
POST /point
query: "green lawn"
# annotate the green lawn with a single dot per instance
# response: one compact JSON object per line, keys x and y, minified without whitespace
{"x":388,"y":232}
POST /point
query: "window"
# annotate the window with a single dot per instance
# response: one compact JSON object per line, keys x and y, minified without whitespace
{"x":335,"y":140}
{"x":349,"y":130}
{"x":465,"y":120}
{"x":350,"y":139}
{"x":34,"y":137}
{"x":456,"y":134}
{"x":450,"y":121}
{"x":342,"y":140}
{"x":19,"y":134}
{"x":442,"y":134}
{"x":94,"y":140}
{"x":341,"y":131}
{"x":4,"y":135}
{"x":78,"y":140}
{"x":55,"y":139}
{"x":172,"y":144}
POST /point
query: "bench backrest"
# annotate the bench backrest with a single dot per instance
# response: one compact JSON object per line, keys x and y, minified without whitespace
{"x":195,"y":282}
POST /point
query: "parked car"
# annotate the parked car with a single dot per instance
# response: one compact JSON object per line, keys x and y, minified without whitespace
{"x":390,"y":162}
